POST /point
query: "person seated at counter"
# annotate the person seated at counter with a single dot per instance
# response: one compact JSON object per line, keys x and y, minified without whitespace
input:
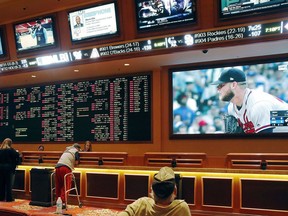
{"x":87,"y":146}
{"x":40,"y":148}
{"x":162,"y":200}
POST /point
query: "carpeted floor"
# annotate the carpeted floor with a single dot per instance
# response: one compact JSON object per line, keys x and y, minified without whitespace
{"x":23,"y":206}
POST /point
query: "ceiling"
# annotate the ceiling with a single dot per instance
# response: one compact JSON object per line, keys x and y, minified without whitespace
{"x":12,"y":10}
{"x":15,"y":10}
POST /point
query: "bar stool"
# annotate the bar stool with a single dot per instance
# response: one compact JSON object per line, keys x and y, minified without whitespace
{"x":73,"y":187}
{"x":52,"y":188}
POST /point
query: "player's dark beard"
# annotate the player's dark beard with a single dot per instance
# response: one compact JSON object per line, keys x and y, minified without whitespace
{"x":228,"y":96}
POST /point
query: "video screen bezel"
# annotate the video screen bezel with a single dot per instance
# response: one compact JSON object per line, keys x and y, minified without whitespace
{"x":95,"y":37}
{"x":2,"y":43}
{"x":36,"y":48}
{"x":212,"y":65}
{"x":259,"y":12}
{"x":172,"y":25}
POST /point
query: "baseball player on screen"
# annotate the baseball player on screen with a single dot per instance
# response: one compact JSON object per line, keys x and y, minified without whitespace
{"x":250,"y":107}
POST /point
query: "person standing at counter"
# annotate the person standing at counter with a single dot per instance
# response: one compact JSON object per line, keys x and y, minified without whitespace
{"x":65,"y":165}
{"x":40,"y":33}
{"x":9,"y":159}
{"x":87,"y":146}
{"x":162,"y":201}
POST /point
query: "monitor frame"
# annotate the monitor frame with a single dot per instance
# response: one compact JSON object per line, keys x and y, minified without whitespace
{"x":3,"y":50}
{"x":52,"y":36}
{"x":169,"y":26}
{"x":99,"y":36}
{"x":249,"y":13}
{"x":218,"y":64}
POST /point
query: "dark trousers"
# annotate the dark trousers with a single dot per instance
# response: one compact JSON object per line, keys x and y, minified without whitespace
{"x":6,"y":185}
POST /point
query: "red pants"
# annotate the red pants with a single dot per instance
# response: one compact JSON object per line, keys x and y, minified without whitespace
{"x":59,"y":181}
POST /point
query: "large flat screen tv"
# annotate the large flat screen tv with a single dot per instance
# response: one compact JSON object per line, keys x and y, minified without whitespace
{"x":94,"y":22}
{"x":153,"y":14}
{"x":2,"y":44}
{"x":203,"y":99}
{"x":236,"y":8}
{"x":38,"y":33}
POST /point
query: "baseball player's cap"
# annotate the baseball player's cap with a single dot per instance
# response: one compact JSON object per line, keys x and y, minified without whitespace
{"x":231,"y":75}
{"x":189,"y":80}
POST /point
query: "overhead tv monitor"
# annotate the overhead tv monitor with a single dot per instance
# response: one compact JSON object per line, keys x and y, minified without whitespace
{"x":153,"y":14}
{"x":35,"y":34}
{"x":236,"y":8}
{"x":2,"y":44}
{"x":94,"y":22}
{"x":204,"y":97}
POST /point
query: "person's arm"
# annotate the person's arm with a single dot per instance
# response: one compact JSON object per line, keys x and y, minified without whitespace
{"x":17,"y":158}
{"x":32,"y":32}
{"x":268,"y":130}
{"x":134,"y":208}
{"x":186,"y":209}
{"x":77,"y":158}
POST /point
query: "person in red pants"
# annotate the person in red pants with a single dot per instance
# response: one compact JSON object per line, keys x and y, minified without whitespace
{"x":65,"y":165}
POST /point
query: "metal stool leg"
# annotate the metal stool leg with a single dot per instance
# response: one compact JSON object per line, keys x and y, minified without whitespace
{"x":74,"y":187}
{"x":65,"y":188}
{"x":52,"y":187}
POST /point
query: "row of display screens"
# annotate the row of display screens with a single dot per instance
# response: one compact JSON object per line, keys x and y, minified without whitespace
{"x":198,"y":105}
{"x":102,"y":20}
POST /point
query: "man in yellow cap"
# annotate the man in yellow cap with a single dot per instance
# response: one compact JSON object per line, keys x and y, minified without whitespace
{"x":162,"y":200}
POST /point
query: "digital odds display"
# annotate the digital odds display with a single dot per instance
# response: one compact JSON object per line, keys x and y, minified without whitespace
{"x":106,"y":110}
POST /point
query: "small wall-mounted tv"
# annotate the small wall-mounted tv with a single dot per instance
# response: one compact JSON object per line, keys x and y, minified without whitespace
{"x":236,"y":8}
{"x":38,"y":33}
{"x":2,"y":44}
{"x":153,"y":14}
{"x":93,"y":22}
{"x":204,"y":97}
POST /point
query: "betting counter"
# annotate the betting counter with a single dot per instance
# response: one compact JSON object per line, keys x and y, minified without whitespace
{"x":249,"y":184}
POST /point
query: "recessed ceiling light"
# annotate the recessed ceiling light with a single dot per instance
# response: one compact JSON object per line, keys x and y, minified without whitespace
{"x":33,"y":76}
{"x":76,"y":70}
{"x":126,"y":64}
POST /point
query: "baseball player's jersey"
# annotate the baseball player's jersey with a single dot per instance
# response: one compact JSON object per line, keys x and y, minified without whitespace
{"x":254,"y":115}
